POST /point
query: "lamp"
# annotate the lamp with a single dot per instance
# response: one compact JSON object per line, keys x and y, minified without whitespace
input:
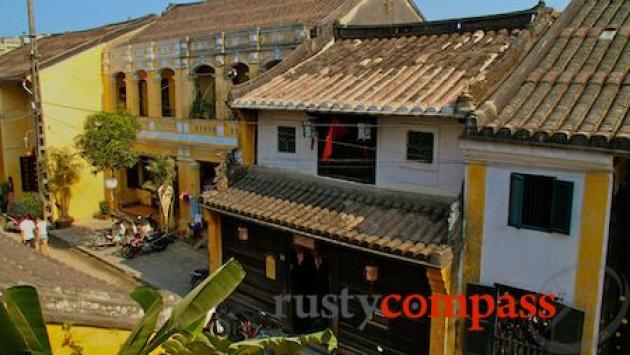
{"x":307,"y":126}
{"x":243,"y":234}
{"x":371,"y":273}
{"x":364,"y":132}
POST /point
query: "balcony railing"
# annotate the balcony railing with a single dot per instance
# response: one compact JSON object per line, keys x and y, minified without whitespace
{"x":189,"y":131}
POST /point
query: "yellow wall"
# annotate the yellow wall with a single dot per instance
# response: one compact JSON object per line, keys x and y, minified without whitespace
{"x":95,"y":341}
{"x":71,"y":91}
{"x":15,"y":122}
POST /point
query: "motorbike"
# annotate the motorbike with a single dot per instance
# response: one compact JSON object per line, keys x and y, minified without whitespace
{"x":114,"y":236}
{"x":197,"y":276}
{"x":13,"y":223}
{"x":145,"y":240}
{"x":239,"y":326}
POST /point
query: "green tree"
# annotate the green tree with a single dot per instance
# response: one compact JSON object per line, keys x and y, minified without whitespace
{"x":64,"y":170}
{"x":107,"y":141}
{"x":24,"y":330}
{"x":163,"y":172}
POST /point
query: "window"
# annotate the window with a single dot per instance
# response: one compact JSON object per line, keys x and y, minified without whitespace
{"x":347,"y":148}
{"x":286,"y":139}
{"x":541,"y":203}
{"x":28,"y":173}
{"x":167,"y":86}
{"x":420,"y":147}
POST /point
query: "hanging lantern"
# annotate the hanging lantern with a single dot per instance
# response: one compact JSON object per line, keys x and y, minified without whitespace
{"x":243,"y":234}
{"x":371,"y":273}
{"x":111,"y":183}
{"x":364,"y":131}
{"x":308,"y":128}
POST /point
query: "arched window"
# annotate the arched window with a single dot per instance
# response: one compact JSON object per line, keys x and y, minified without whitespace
{"x":204,"y":104}
{"x":270,"y":64}
{"x":242,"y":73}
{"x":167,"y":87}
{"x":121,"y":92}
{"x":143,"y":94}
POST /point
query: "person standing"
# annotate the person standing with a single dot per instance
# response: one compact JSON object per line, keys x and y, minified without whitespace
{"x":27,"y":229}
{"x":42,"y":235}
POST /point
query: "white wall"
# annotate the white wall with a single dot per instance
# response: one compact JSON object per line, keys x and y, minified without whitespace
{"x":304,"y":160}
{"x":443,"y":177}
{"x":533,"y":260}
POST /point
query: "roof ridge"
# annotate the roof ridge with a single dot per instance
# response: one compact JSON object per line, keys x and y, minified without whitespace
{"x":119,"y":23}
{"x":517,"y":19}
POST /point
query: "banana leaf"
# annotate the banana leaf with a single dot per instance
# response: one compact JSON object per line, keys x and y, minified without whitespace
{"x":152,"y":304}
{"x":11,"y":341}
{"x":189,"y":314}
{"x":284,"y":345}
{"x":22,"y":306}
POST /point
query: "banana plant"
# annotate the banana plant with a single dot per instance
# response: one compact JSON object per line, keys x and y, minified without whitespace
{"x":22,"y":327}
{"x":23,"y":330}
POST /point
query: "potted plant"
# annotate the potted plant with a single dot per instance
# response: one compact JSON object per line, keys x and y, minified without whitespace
{"x":107,"y":144}
{"x":163,"y":173}
{"x":64,"y":170}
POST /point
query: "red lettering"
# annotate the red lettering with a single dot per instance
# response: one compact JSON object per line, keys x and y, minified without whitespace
{"x":549,"y":309}
{"x":475,"y":312}
{"x":409,"y":313}
{"x":528,"y":306}
{"x":449,"y":306}
{"x":506,"y":307}
{"x":386,"y":310}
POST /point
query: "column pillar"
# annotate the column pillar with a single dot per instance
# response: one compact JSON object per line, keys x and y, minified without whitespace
{"x":223,"y":87}
{"x":215,"y":243}
{"x":442,"y":328}
{"x":183,"y":99}
{"x":188,"y":181}
{"x":154,"y":93}
{"x":133,"y":95}
{"x":247,"y":136}
{"x":110,"y":94}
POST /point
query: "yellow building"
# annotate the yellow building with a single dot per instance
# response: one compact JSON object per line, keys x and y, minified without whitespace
{"x":547,"y":187}
{"x":71,"y":88}
{"x":177,"y":74}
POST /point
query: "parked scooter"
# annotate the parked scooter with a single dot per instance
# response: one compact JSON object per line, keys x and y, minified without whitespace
{"x":145,"y":240}
{"x":13,"y":223}
{"x":115,"y":236}
{"x":197,"y":276}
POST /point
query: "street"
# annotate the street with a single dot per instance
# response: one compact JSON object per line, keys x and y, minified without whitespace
{"x":168,"y":270}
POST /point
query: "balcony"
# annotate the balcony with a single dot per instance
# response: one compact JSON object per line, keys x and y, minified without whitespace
{"x":193,"y":132}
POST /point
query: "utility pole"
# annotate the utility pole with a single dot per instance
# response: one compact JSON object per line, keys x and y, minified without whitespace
{"x":38,"y":117}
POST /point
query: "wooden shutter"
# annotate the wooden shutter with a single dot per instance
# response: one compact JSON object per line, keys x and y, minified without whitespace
{"x":480,"y":343}
{"x":562,"y":203}
{"x":28,"y":173}
{"x":567,"y":331}
{"x":517,"y":187}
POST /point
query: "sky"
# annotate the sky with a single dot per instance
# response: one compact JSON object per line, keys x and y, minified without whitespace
{"x":54,"y":16}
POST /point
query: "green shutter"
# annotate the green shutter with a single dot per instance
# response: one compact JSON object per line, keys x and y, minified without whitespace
{"x":517,"y":187}
{"x":480,"y":343}
{"x":562,"y":203}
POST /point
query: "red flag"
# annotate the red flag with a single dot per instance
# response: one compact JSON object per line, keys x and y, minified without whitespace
{"x":335,"y":131}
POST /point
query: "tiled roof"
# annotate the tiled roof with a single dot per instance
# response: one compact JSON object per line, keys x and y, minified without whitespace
{"x":404,"y":224}
{"x":66,"y":294}
{"x":206,"y":18}
{"x":577,"y":90}
{"x":15,"y":64}
{"x":411,"y":69}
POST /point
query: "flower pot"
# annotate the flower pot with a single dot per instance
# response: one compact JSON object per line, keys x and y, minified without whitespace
{"x":64,"y":222}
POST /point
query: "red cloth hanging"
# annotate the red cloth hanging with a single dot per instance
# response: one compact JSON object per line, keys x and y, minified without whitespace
{"x":335,"y":131}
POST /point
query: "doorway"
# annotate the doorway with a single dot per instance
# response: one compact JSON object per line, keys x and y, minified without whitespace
{"x":310,"y":277}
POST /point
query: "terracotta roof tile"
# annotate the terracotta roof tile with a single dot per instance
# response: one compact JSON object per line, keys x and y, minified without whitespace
{"x":66,"y":294}
{"x":410,"y":69}
{"x":407,"y":224}
{"x":15,"y":64}
{"x":578,"y":90}
{"x":205,"y":18}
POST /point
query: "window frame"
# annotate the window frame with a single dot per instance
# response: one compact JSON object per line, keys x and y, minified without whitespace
{"x":278,"y":137}
{"x":418,"y":162}
{"x":516,"y":203}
